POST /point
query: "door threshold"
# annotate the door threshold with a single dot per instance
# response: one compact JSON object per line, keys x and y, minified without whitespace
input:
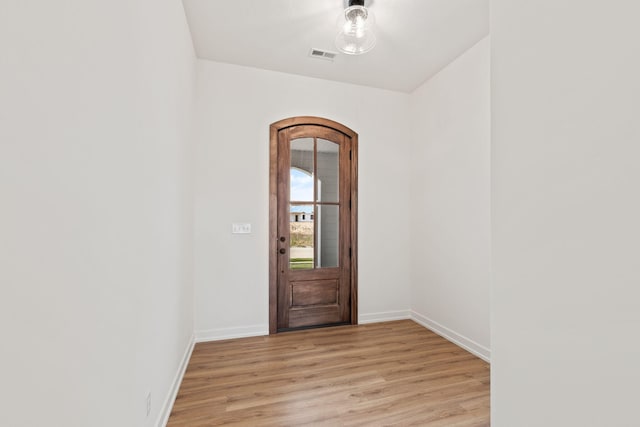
{"x":302,"y":328}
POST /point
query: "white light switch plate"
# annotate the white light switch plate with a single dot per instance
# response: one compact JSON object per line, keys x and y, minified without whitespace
{"x":239,"y":228}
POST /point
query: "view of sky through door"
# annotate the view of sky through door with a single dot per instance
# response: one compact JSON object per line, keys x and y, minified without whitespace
{"x":301,"y":187}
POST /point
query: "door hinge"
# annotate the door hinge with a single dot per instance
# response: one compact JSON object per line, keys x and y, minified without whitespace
{"x":349,"y":203}
{"x":349,"y":252}
{"x":349,"y":154}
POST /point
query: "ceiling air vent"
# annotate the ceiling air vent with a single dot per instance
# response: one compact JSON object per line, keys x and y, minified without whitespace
{"x":322,"y":54}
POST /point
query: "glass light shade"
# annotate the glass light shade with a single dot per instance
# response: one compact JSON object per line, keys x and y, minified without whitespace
{"x":356,"y":35}
{"x":352,"y":44}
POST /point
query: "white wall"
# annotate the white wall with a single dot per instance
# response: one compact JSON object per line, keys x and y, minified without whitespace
{"x":236,"y":107}
{"x":565,"y":209}
{"x":450,"y":215}
{"x":95,"y":209}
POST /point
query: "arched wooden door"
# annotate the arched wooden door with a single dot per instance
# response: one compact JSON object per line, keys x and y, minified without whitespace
{"x":312,"y":224}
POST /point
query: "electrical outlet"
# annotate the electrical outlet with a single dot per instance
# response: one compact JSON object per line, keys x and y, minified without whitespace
{"x":148,"y":403}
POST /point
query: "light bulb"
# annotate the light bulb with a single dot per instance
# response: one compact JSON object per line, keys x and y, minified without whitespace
{"x":356,"y":36}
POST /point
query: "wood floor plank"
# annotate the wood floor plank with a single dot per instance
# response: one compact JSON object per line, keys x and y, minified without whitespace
{"x":382,"y":374}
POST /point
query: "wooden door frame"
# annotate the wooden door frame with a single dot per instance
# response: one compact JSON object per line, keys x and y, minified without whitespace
{"x":273,"y":211}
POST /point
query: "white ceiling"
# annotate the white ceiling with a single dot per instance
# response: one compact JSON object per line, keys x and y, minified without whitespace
{"x":416,"y":38}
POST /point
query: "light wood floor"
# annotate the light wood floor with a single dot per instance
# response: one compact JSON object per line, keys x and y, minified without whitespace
{"x":393,"y":373}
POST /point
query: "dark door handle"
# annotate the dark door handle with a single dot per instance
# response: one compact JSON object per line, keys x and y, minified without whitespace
{"x":283,"y":250}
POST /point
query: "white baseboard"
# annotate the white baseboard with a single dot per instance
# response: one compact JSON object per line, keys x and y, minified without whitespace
{"x":229,"y":333}
{"x":458,"y":339}
{"x":384,"y":316}
{"x":165,"y":411}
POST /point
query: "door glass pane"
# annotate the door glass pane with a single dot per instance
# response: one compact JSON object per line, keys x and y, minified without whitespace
{"x":301,"y":237}
{"x":301,"y":178}
{"x":328,"y":178}
{"x":328,"y":231}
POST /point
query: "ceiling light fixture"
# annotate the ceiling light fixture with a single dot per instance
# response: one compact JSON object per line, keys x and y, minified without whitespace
{"x":356,"y":35}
